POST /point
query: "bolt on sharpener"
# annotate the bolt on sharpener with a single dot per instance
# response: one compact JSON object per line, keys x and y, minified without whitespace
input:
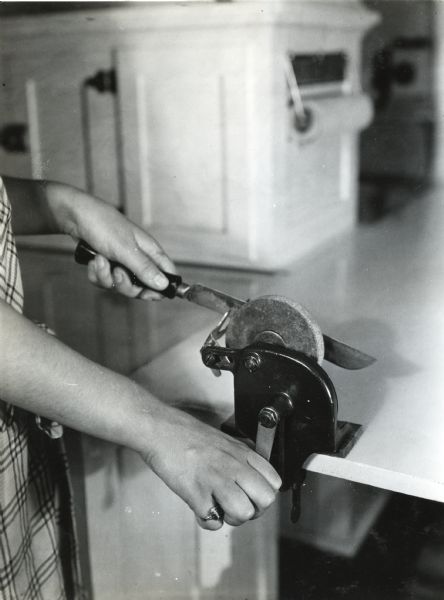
{"x":284,"y":401}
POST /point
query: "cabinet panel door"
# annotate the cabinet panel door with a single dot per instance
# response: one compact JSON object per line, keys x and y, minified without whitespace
{"x":71,"y":132}
{"x":182,"y":114}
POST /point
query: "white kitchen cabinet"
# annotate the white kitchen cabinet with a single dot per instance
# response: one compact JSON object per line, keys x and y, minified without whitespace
{"x":69,"y":128}
{"x":198,"y":143}
{"x":213,"y":163}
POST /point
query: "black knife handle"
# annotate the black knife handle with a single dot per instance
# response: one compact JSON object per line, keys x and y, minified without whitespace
{"x":84,"y":254}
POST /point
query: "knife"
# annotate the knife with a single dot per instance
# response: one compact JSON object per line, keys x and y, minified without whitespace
{"x":336,"y":352}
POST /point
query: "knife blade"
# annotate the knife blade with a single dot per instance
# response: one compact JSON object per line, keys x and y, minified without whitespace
{"x":336,"y":352}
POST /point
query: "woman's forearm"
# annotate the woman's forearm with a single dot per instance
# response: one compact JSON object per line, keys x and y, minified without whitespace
{"x":42,"y":375}
{"x":37,"y":206}
{"x":202,"y":465}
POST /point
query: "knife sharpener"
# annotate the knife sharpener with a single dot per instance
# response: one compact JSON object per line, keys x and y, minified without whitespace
{"x":284,"y":400}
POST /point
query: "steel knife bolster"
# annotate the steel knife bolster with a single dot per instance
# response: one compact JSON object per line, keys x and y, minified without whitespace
{"x":208,"y":298}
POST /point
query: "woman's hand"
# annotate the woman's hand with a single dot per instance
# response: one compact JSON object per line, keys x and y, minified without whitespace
{"x":42,"y":207}
{"x":116,"y":238}
{"x":207,"y":468}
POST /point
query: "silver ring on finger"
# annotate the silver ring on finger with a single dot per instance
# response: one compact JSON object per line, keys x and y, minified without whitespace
{"x":215,"y":513}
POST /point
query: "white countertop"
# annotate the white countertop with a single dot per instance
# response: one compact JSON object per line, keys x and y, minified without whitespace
{"x":380,"y":288}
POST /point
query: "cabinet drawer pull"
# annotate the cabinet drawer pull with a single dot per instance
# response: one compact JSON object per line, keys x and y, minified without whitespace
{"x":14,"y":137}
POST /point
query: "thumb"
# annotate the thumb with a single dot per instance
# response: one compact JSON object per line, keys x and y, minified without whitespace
{"x":148,"y":271}
{"x":145,"y":264}
{"x":151,"y":248}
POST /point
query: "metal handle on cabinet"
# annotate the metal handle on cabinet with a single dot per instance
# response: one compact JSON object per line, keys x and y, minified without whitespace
{"x":104,"y":81}
{"x":303,"y":122}
{"x":14,"y":137}
{"x":303,"y":117}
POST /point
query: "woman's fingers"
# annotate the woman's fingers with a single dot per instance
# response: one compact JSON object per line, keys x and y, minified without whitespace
{"x":237,"y":506}
{"x":259,"y":492}
{"x":123,"y":285}
{"x":99,"y":273}
{"x":211,"y":515}
{"x":211,"y":525}
{"x":140,"y":254}
{"x":229,"y":502}
{"x":146,"y":259}
{"x":261,"y":465}
{"x":241,"y":499}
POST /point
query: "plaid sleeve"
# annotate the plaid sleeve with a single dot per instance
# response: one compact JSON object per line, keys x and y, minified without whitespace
{"x":38,"y":551}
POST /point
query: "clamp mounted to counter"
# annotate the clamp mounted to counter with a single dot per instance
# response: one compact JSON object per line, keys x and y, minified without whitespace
{"x":284,"y":401}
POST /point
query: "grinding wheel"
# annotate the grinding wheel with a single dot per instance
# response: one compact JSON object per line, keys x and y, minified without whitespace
{"x":276,"y":320}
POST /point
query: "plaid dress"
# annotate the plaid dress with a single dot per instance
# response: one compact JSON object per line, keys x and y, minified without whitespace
{"x":38,"y":558}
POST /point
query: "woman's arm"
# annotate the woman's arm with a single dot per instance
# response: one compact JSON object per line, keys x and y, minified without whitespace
{"x":45,"y":207}
{"x":200,"y":464}
{"x":32,"y":213}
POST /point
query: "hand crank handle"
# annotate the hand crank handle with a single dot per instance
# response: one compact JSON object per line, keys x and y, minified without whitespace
{"x":84,"y":254}
{"x":269,"y":418}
